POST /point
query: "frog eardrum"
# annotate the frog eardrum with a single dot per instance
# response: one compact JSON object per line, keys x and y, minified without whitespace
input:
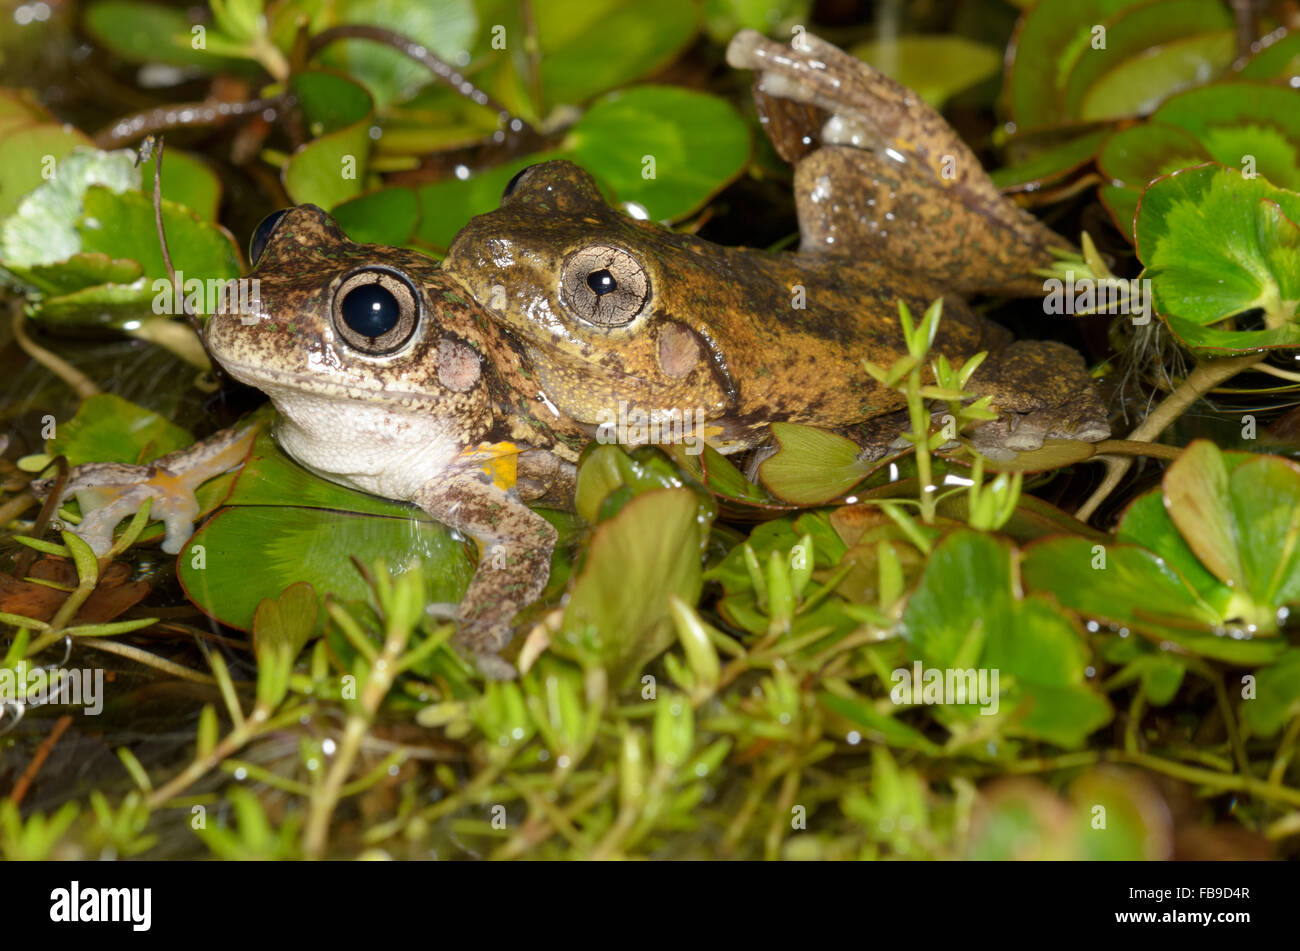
{"x":604,"y":286}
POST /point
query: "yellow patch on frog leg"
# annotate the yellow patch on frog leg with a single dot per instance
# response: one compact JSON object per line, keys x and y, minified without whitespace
{"x":501,"y":463}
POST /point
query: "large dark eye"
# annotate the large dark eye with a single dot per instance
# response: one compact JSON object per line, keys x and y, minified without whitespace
{"x":514,"y":182}
{"x":604,"y":285}
{"x":263,"y":235}
{"x":376,"y":311}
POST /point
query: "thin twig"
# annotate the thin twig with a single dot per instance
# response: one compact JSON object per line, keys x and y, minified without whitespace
{"x":1200,"y":381}
{"x":38,"y":759}
{"x":148,"y":659}
{"x":81,"y":384}
{"x":510,"y":124}
{"x":180,"y":115}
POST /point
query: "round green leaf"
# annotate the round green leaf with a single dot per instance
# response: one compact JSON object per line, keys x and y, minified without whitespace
{"x":648,"y":33}
{"x":387,"y":216}
{"x":1135,"y":589}
{"x":1029,"y":641}
{"x":936,"y":67}
{"x":665,"y":148}
{"x":812,"y":466}
{"x":1145,"y":41}
{"x":1049,"y":40}
{"x":446,"y":27}
{"x":1216,"y":244}
{"x":255,"y":552}
{"x":26,"y":150}
{"x":332,"y":167}
{"x":1233,"y":121}
{"x":108,"y":428}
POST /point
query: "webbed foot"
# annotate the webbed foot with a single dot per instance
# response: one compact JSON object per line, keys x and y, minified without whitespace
{"x":108,"y":492}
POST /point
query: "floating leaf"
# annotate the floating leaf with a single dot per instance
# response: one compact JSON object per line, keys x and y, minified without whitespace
{"x":1248,"y":125}
{"x":1097,"y":59}
{"x":936,"y":67}
{"x":331,"y":167}
{"x":650,"y":34}
{"x":186,"y":180}
{"x":43,"y":229}
{"x":664,"y":148}
{"x":445,"y":27}
{"x":812,"y":466}
{"x":1165,"y":594}
{"x":619,"y":608}
{"x":108,"y":428}
{"x":1216,"y":245}
{"x":1278,"y":57}
{"x":697,"y":142}
{"x":387,"y":216}
{"x":151,"y":33}
{"x":1028,"y":641}
{"x":1048,"y":165}
{"x":26,"y":150}
{"x":249,"y":553}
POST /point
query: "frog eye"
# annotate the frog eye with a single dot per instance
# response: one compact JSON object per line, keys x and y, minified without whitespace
{"x":376,"y":311}
{"x":263,"y":234}
{"x":604,"y":285}
{"x":516,"y":181}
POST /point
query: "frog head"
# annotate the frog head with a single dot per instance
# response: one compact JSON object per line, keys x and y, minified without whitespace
{"x":360,"y":349}
{"x":612,"y":309}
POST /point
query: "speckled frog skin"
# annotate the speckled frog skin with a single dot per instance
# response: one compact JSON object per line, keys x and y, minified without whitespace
{"x":388,"y":381}
{"x":892,"y":206}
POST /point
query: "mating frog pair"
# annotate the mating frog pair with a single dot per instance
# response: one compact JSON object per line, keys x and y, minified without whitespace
{"x":388,"y":380}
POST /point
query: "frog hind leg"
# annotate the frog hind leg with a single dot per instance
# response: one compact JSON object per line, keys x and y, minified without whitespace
{"x":515,"y":546}
{"x":886,"y":153}
{"x":866,"y":206}
{"x":1041,"y":390}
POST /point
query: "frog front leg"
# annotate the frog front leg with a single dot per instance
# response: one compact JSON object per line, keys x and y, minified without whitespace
{"x":108,"y":492}
{"x":515,"y":546}
{"x":1041,"y":390}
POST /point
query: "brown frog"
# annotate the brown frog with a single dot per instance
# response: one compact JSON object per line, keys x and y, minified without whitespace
{"x":388,"y":381}
{"x":892,"y":206}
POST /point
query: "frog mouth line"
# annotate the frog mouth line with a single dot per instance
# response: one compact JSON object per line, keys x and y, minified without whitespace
{"x":257,"y":376}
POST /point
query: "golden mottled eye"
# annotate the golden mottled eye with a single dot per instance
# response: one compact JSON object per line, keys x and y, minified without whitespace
{"x":604,"y":285}
{"x":376,"y":311}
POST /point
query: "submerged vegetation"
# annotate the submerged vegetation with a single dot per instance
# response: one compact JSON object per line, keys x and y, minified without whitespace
{"x":929,"y":655}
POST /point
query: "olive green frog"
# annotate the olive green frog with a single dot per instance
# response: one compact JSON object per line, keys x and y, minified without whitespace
{"x":615,"y":311}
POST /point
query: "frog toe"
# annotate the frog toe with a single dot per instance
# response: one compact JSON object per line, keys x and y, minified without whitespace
{"x":483,"y":637}
{"x":1028,"y":432}
{"x":495,"y":668}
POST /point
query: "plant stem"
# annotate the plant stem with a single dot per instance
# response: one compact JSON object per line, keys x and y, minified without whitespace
{"x":380,"y":680}
{"x":1206,"y":376}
